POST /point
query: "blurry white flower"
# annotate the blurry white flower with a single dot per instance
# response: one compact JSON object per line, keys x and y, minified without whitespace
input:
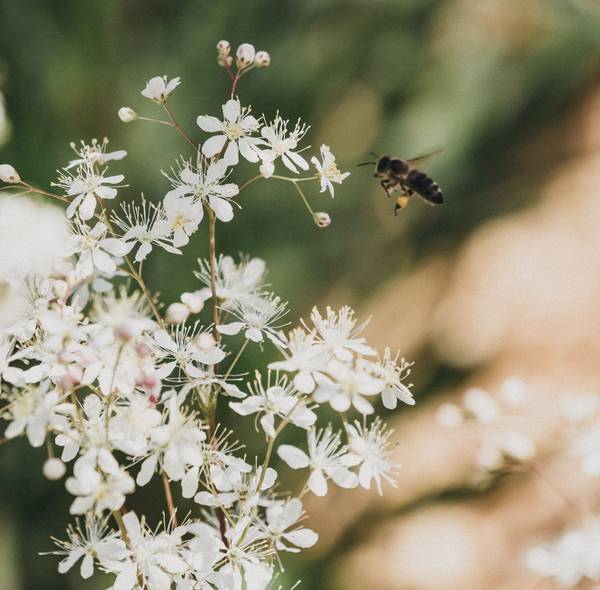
{"x":224,"y":58}
{"x":449,"y":415}
{"x":158,"y":88}
{"x":327,"y":459}
{"x":193,"y":301}
{"x":481,"y":405}
{"x":513,"y":391}
{"x":235,"y":131}
{"x":569,"y":559}
{"x":586,"y":447}
{"x":328,"y":170}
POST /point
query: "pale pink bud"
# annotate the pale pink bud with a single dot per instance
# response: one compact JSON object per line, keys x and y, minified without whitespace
{"x":223,"y":47}
{"x":245,"y":55}
{"x":54,"y":468}
{"x":177,"y":313}
{"x":322,"y":219}
{"x":127,"y":115}
{"x":9,"y":174}
{"x":262,"y":59}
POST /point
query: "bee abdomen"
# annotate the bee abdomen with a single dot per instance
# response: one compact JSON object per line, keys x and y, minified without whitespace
{"x":426,"y":187}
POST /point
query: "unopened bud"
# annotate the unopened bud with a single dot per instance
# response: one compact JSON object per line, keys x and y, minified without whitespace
{"x":54,"y":468}
{"x":177,"y":313}
{"x":223,"y":47}
{"x":205,"y":341}
{"x":322,"y":219}
{"x":194,"y":301}
{"x":245,"y":55}
{"x":266,"y":169}
{"x":127,"y":114}
{"x":9,"y":174}
{"x":262,"y":59}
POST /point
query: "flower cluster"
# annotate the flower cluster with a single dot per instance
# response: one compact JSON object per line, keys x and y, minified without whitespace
{"x":121,"y":392}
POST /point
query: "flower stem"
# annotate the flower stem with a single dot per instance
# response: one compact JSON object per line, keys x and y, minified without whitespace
{"x":169,"y":498}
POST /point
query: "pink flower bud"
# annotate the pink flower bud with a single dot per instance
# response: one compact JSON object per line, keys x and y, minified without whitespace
{"x":245,"y":55}
{"x":127,"y":115}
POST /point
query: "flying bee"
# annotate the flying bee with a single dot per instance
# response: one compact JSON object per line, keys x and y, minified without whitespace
{"x":398,"y":175}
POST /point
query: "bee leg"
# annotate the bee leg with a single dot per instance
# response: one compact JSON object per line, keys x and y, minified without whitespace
{"x":386,"y":185}
{"x":401,"y":202}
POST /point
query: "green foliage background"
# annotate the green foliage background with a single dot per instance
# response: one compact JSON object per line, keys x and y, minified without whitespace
{"x":402,"y":76}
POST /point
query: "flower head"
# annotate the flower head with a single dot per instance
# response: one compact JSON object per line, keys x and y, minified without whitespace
{"x":158,"y":88}
{"x":328,"y":170}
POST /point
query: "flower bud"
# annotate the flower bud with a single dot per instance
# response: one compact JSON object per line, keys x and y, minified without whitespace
{"x":205,"y":341}
{"x":177,"y":313}
{"x":9,"y":174}
{"x":266,"y":169}
{"x":262,"y":59}
{"x":245,"y":55}
{"x":127,"y":114}
{"x":54,"y":468}
{"x":223,"y":47}
{"x":322,"y":219}
{"x":194,"y":301}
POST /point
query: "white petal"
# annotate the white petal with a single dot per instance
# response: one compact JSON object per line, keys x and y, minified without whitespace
{"x":231,"y":110}
{"x":209,"y":124}
{"x":294,"y":457}
{"x":213,"y":145}
{"x":317,"y":483}
{"x":222,"y":208}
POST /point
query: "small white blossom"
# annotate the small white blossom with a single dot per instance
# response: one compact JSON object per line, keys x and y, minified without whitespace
{"x":280,"y":518}
{"x":280,"y":144}
{"x":327,"y":459}
{"x":159,"y":87}
{"x":328,"y":170}
{"x":234,"y":131}
{"x":392,"y":374}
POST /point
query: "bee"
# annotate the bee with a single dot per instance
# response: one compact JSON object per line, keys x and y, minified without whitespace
{"x":398,"y":175}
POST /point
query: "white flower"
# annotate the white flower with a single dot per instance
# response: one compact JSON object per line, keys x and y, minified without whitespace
{"x":371,"y":446}
{"x":93,"y":542}
{"x":145,"y":225}
{"x":481,"y":405}
{"x":304,"y":357}
{"x":8,"y":174}
{"x":258,"y":317}
{"x":96,"y":491}
{"x":95,"y":249}
{"x":328,"y":170}
{"x":188,"y":347}
{"x":587,"y":448}
{"x":85,"y":188}
{"x":388,"y":370}
{"x":158,"y":88}
{"x":569,"y":559}
{"x":281,"y":145}
{"x":205,"y":186}
{"x":279,"y":400}
{"x":326,"y":459}
{"x":183,"y":215}
{"x":345,"y":386}
{"x":282,"y":516}
{"x":337,"y":332}
{"x":235,"y":282}
{"x":132,"y":426}
{"x":176,"y":446}
{"x":157,"y":558}
{"x":235,"y":131}
{"x":35,"y":411}
{"x":93,"y":154}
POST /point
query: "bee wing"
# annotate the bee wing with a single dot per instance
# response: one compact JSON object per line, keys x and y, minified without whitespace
{"x":424,"y":157}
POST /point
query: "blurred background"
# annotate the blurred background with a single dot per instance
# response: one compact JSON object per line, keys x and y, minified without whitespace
{"x":500,"y":282}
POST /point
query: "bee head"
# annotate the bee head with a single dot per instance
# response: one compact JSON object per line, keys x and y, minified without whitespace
{"x":382,"y":165}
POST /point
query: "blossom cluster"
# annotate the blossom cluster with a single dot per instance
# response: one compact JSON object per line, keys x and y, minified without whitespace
{"x":120,"y":390}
